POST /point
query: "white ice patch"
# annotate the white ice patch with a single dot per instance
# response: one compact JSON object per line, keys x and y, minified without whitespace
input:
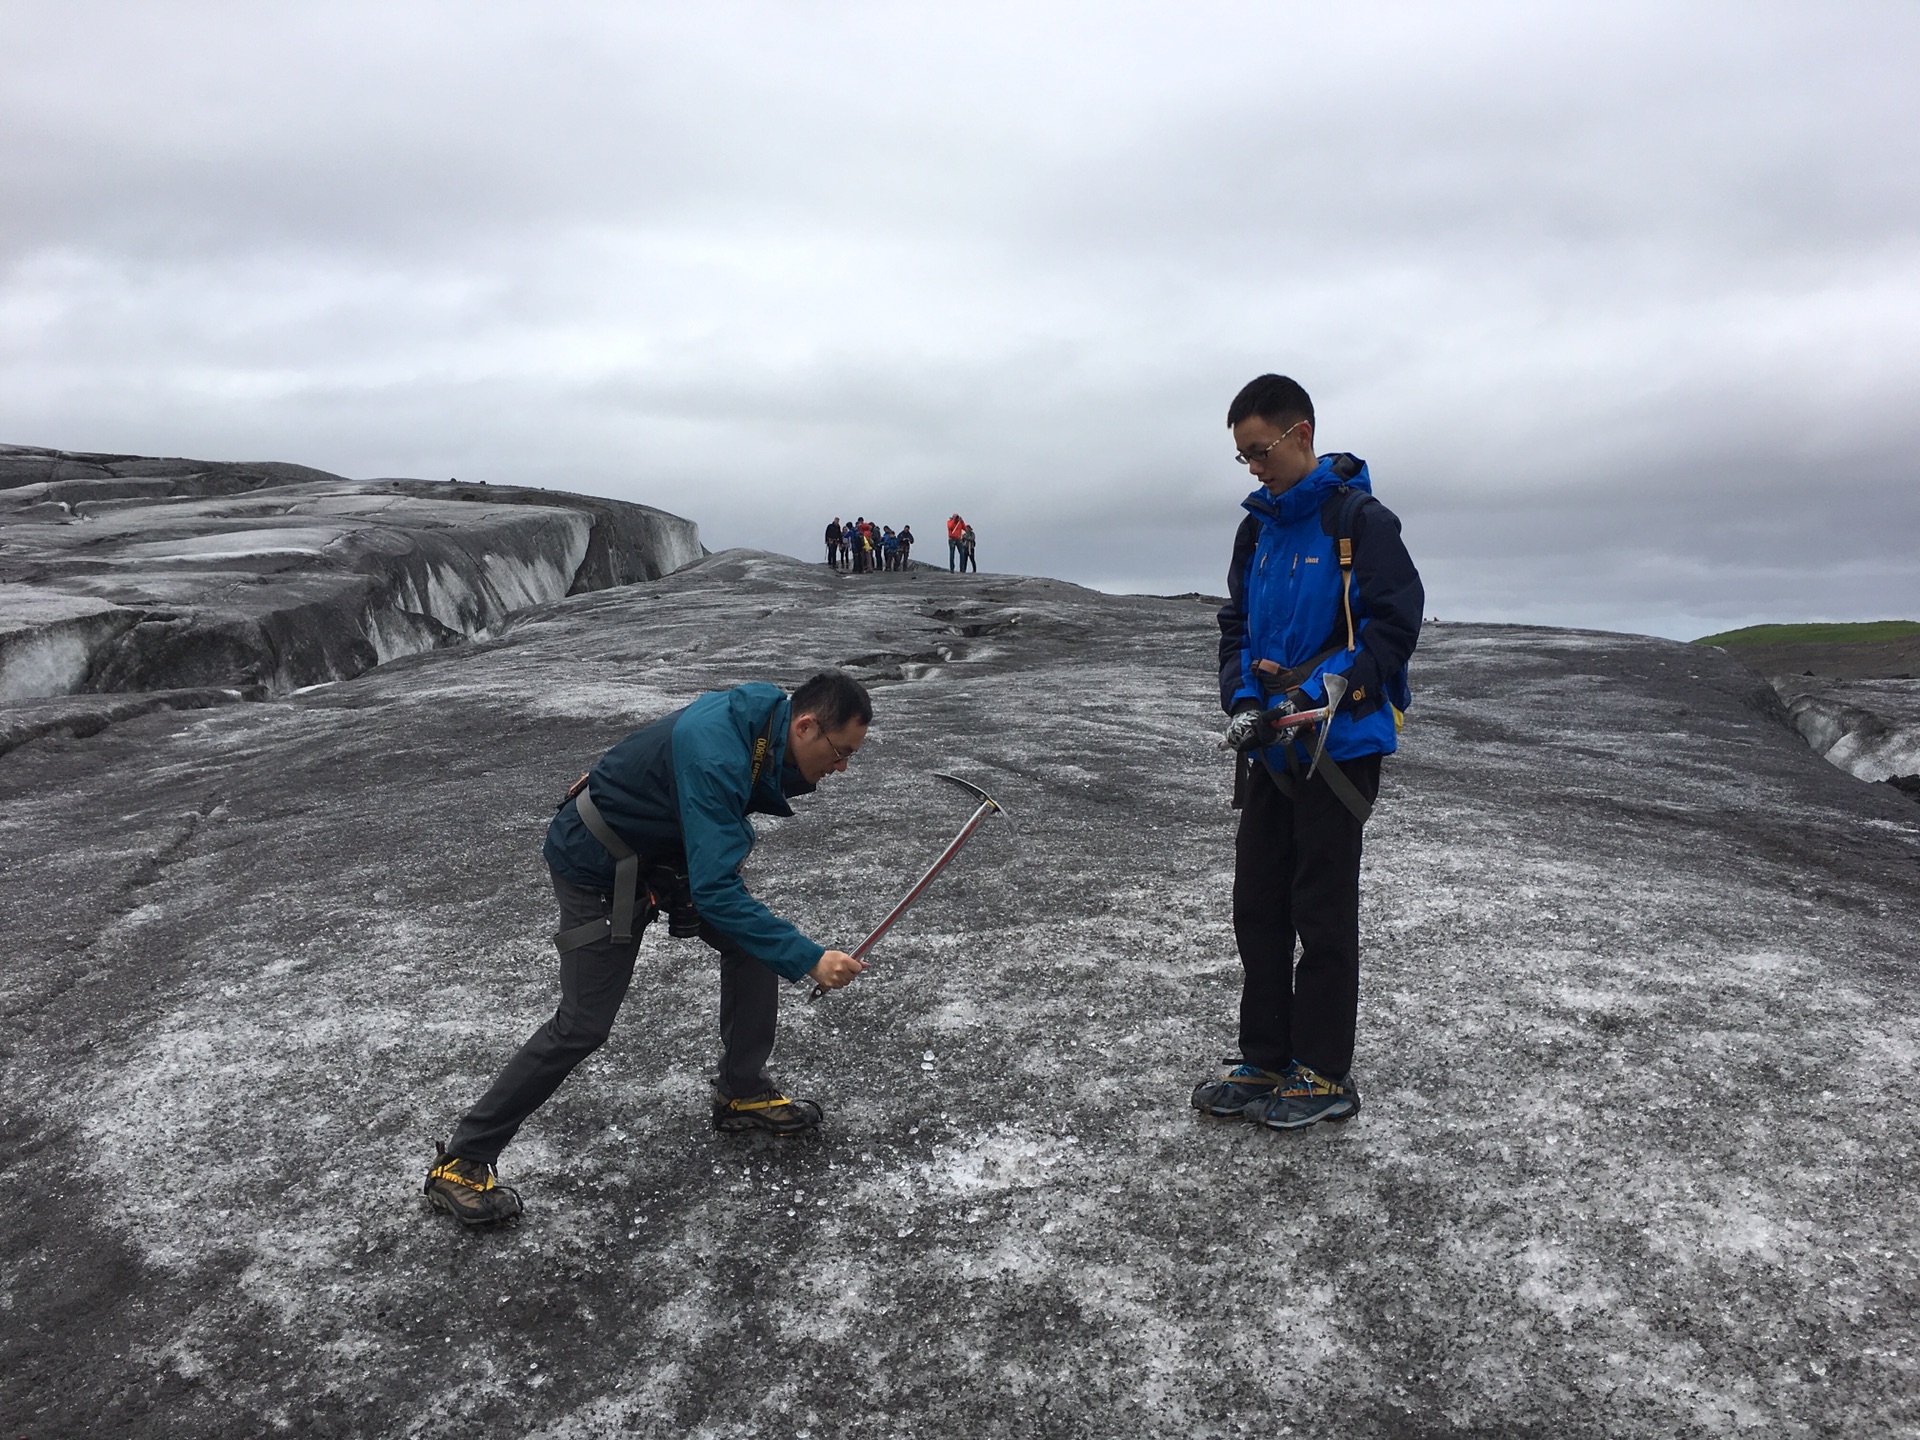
{"x":480,"y":595}
{"x":53,"y":662}
{"x":236,"y":545}
{"x":1876,"y":739}
{"x":1006,"y":1158}
{"x":47,"y":640}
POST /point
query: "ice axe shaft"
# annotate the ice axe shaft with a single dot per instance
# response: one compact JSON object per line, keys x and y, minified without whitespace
{"x":988,"y":806}
{"x":946,"y":855}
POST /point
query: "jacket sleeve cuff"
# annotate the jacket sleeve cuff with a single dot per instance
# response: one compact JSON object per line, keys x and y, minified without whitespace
{"x":801,"y":965}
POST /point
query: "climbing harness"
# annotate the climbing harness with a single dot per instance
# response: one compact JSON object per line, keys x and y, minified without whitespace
{"x":618,"y":926}
{"x":1278,"y":682}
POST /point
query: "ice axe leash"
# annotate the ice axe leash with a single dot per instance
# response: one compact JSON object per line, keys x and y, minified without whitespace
{"x":988,"y":806}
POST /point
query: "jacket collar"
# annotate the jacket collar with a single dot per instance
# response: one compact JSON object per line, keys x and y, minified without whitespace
{"x":1306,"y":497}
{"x":779,"y":777}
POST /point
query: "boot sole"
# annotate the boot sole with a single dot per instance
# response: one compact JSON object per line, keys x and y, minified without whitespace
{"x":474,"y":1222}
{"x":1225,"y":1112}
{"x":736,"y":1126}
{"x":1340,"y":1119}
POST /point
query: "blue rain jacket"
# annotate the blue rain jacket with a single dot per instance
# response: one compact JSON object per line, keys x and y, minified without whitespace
{"x":680,"y":787}
{"x":1284,"y":605}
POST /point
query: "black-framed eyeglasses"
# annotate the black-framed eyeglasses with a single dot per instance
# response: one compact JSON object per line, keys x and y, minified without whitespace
{"x":1260,"y":452}
{"x":842,"y":756}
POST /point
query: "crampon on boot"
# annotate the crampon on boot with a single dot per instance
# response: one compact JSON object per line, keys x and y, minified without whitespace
{"x":1307,"y":1098}
{"x":769,"y":1110}
{"x":466,"y":1190}
{"x":1237,"y":1087}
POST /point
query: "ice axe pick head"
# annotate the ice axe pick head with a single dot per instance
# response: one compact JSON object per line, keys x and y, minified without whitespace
{"x":982,"y":796}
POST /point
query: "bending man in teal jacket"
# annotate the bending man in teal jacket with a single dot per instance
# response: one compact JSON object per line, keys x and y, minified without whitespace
{"x":660,"y":823}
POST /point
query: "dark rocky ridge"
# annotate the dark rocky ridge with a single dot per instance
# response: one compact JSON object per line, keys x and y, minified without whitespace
{"x":1874,"y":660}
{"x":193,"y":582}
{"x":1637,"y":1050}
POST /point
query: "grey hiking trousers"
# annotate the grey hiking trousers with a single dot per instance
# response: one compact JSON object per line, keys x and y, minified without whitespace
{"x":593,"y":983}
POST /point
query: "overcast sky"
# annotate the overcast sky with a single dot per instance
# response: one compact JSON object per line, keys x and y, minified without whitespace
{"x":1620,"y":302}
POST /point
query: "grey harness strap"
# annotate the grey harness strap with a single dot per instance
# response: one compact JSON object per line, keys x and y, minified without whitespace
{"x":626,"y":862}
{"x":1343,"y":789}
{"x":1336,"y":780}
{"x":626,"y":885}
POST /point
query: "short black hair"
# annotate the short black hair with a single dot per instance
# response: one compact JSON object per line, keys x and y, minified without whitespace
{"x":834,"y":698}
{"x":1273,"y":398}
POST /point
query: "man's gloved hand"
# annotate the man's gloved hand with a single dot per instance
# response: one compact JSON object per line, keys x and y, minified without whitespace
{"x":1252,"y":728}
{"x":1243,"y":731}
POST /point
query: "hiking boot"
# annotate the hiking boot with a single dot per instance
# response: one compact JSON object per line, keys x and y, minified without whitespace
{"x":1306,"y":1098}
{"x":1239,"y":1086}
{"x":769,"y":1110}
{"x":466,"y":1190}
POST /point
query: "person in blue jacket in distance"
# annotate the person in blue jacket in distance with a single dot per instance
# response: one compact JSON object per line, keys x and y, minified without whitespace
{"x":1320,"y":584}
{"x":676,"y":794}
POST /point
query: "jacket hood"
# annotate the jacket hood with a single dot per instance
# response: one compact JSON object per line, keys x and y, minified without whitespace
{"x":1306,"y":497}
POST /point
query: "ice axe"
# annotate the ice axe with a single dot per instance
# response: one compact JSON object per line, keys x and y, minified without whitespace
{"x":988,"y":806}
{"x":1335,"y":686}
{"x":1292,"y":720}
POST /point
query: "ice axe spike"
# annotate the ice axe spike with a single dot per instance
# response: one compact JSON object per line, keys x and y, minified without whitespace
{"x":988,"y":806}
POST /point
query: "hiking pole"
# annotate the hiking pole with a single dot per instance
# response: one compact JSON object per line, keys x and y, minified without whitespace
{"x":988,"y":806}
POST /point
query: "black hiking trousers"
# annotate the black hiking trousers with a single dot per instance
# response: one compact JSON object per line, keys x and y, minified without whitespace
{"x":593,"y":982}
{"x":1296,"y":876}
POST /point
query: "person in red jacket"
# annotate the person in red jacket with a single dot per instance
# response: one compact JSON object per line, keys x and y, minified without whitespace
{"x":956,"y":531}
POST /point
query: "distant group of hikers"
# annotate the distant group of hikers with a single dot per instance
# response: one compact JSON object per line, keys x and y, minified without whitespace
{"x":860,"y":546}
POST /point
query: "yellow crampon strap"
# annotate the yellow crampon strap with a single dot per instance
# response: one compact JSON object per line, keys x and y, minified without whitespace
{"x":1309,"y":1081}
{"x":444,"y":1171}
{"x":758,"y":1104}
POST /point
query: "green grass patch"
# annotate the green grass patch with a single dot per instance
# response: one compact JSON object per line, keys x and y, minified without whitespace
{"x":1863,"y":632}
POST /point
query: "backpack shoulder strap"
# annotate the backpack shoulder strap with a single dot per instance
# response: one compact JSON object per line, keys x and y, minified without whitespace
{"x":1336,"y":518}
{"x":1341,"y":508}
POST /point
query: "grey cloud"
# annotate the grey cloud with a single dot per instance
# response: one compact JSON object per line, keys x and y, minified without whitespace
{"x":1621,"y":304}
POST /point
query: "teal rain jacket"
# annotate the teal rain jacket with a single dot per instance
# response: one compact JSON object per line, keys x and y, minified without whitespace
{"x":683,"y":787}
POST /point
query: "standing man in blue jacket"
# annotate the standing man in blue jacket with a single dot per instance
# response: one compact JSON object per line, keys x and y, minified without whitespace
{"x":661,"y":823}
{"x":1320,"y":584}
